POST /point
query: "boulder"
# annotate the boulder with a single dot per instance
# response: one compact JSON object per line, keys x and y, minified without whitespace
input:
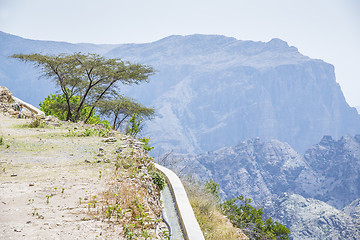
{"x":5,"y":95}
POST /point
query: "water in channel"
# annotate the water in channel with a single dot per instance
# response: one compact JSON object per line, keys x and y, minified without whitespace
{"x":171,"y":214}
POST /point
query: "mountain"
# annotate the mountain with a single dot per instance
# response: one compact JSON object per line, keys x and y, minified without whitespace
{"x":211,"y":91}
{"x":337,"y":166}
{"x":316,"y":186}
{"x":353,"y":210}
{"x":311,"y":219}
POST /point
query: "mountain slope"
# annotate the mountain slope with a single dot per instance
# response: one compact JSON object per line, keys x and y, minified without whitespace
{"x":212,"y":91}
{"x":311,"y":219}
{"x":323,"y":181}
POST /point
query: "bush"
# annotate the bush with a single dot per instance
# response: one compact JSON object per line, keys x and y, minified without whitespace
{"x":56,"y":105}
{"x":250,"y":220}
{"x":158,"y":179}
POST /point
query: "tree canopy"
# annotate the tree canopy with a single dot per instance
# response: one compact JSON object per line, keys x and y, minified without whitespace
{"x":121,"y":108}
{"x":90,"y":77}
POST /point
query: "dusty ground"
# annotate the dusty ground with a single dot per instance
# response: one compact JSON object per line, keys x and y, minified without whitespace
{"x":47,"y":181}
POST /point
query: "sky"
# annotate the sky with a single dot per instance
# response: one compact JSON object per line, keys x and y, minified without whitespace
{"x":321,"y":29}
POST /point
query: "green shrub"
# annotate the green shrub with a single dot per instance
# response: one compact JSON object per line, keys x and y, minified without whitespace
{"x":158,"y":179}
{"x":56,"y":105}
{"x":250,"y":220}
{"x":135,"y":125}
{"x":1,"y":140}
{"x":146,"y":144}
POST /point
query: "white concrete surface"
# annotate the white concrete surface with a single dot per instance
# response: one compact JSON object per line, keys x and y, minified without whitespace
{"x":187,"y":217}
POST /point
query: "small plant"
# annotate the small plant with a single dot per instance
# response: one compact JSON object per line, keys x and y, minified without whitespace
{"x":119,"y":212}
{"x":47,"y":198}
{"x":1,"y":140}
{"x":146,"y":144}
{"x":80,"y":198}
{"x":135,"y":125}
{"x":62,"y":190}
{"x":109,"y":211}
{"x":94,"y":201}
{"x":145,"y":234}
{"x":36,"y":123}
{"x":158,"y":179}
{"x":100,"y":174}
{"x":138,"y":212}
{"x":213,"y":188}
{"x":166,"y":235}
{"x":127,"y":228}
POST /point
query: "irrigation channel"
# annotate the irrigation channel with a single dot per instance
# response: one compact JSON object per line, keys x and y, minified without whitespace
{"x":170,"y":214}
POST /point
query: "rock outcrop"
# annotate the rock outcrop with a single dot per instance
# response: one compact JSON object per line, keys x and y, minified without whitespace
{"x":353,"y":210}
{"x":308,"y":218}
{"x":336,"y":164}
{"x":5,"y":95}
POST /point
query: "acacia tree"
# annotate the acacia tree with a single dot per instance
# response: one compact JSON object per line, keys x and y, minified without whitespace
{"x":88,"y":76}
{"x":121,"y":108}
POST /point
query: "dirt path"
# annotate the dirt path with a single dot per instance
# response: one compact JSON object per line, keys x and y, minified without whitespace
{"x":46,"y":181}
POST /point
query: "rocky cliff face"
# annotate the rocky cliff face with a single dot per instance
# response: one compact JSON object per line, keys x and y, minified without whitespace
{"x":309,"y":218}
{"x":337,"y":166}
{"x":317,"y":186}
{"x":213,"y":91}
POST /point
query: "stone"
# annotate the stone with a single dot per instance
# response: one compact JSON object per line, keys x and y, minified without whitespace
{"x":109,"y":139}
{"x":5,"y":95}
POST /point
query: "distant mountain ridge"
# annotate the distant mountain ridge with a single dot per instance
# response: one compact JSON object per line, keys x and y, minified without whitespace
{"x":211,"y":91}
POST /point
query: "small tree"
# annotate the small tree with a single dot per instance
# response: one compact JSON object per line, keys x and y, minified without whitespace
{"x":121,"y":108}
{"x":91,"y":77}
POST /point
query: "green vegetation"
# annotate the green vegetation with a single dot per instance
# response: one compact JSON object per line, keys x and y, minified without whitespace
{"x":120,"y":108}
{"x":56,"y":105}
{"x":134,"y":125}
{"x":1,"y":140}
{"x":85,"y":79}
{"x":246,"y":217}
{"x":213,"y":224}
{"x":158,"y":179}
{"x":210,"y":214}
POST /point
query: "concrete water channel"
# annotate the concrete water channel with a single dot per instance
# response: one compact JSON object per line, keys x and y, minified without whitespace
{"x":178,"y":207}
{"x":170,"y":214}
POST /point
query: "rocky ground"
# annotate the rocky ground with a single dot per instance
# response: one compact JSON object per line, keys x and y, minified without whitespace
{"x":57,"y":185}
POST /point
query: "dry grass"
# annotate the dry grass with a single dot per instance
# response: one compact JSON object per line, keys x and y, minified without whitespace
{"x":214,"y":225}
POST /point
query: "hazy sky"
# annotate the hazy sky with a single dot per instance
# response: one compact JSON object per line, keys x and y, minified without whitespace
{"x":324,"y":29}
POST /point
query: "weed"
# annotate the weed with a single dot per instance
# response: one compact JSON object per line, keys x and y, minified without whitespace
{"x":109,"y":211}
{"x":138,"y":212}
{"x":36,"y":123}
{"x":119,"y":212}
{"x":47,"y":198}
{"x":158,"y":179}
{"x":1,"y":140}
{"x":94,"y":201}
{"x":146,"y":145}
{"x":145,"y":234}
{"x":127,"y":228}
{"x":35,"y":213}
{"x":62,"y":190}
{"x":167,"y":235}
{"x":80,"y":198}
